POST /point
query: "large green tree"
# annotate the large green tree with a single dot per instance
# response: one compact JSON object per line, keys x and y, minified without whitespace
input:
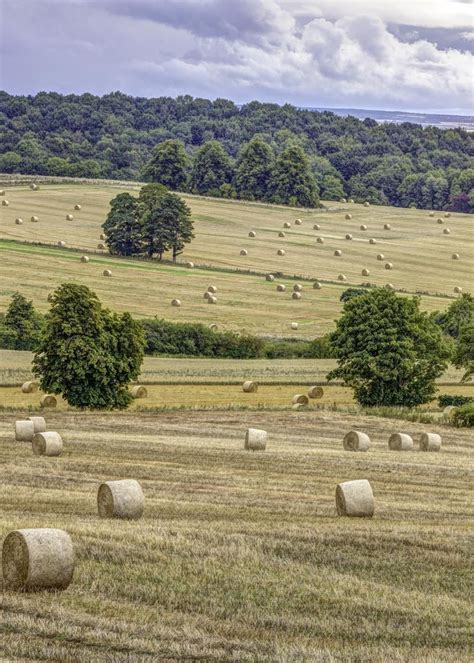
{"x":456,"y":316}
{"x":168,"y":165}
{"x":23,"y":323}
{"x":253,"y":170}
{"x":212,"y":169}
{"x":292,"y":181}
{"x":464,"y":353}
{"x":86,"y":353}
{"x":123,"y":226}
{"x":387,"y":350}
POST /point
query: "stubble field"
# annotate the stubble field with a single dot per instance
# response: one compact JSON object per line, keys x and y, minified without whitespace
{"x":240,"y":556}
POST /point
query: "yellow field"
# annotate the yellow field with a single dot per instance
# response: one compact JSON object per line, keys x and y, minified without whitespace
{"x":416,"y":245}
{"x":240,"y":556}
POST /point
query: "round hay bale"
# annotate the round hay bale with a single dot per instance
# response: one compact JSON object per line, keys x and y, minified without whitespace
{"x":19,"y":222}
{"x":343,"y":201}
{"x":387,"y":226}
{"x":320,"y":240}
{"x":440,"y":221}
{"x":366,"y":204}
{"x":107,"y":272}
{"x":348,"y":236}
{"x":287,"y":224}
{"x":297,"y":287}
{"x":389,"y":286}
{"x":400,"y":442}
{"x":430,"y":442}
{"x":316,"y":392}
{"x":356,"y":441}
{"x":281,"y":234}
{"x":302,"y":399}
{"x":77,"y":207}
{"x":175,"y":302}
{"x":455,"y":256}
{"x":255,"y":439}
{"x":298,"y":222}
{"x":207,"y":295}
{"x":351,"y":200}
{"x":120,"y":499}
{"x":316,"y":226}
{"x":363,"y":226}
{"x":342,"y":277}
{"x":338,"y":252}
{"x":61,"y":244}
{"x":212,"y":289}
{"x":48,"y":400}
{"x":35,"y":559}
{"x":365,"y":272}
{"x":281,"y":252}
{"x":139,"y":391}
{"x":299,"y":406}
{"x":47,"y":444}
{"x":431,"y":214}
{"x":252,"y":233}
{"x":29,"y":387}
{"x":101,"y":236}
{"x":446,"y":231}
{"x":355,"y":499}
{"x":317,"y":285}
{"x":189,"y":264}
{"x":388,"y":265}
{"x":296,"y":295}
{"x":348,"y":217}
{"x":101,"y":246}
{"x":2,"y":192}
{"x":39,"y":424}
{"x":213,"y":326}
{"x":250,"y":387}
{"x":69,"y":217}
{"x":281,"y":287}
{"x":294,"y":325}
{"x":34,"y":187}
{"x":380,"y":256}
{"x":24,"y":430}
{"x":372,"y":241}
{"x":212,"y":300}
{"x":84,"y":258}
{"x":269,"y":277}
{"x":449,"y":411}
{"x":244,"y":252}
{"x":447,"y":214}
{"x":457,"y":289}
{"x":5,"y":203}
{"x":34,"y":219}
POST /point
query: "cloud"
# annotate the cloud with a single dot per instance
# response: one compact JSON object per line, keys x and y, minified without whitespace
{"x":240,"y":49}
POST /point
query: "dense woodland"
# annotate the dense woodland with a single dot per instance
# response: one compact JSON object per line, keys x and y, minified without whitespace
{"x":299,"y":155}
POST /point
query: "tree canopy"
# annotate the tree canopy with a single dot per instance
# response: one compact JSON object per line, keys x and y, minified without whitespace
{"x":387,"y":350}
{"x":86,"y":353}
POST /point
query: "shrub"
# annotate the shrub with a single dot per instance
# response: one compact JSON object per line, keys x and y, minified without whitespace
{"x":464,"y":416}
{"x":454,"y":399}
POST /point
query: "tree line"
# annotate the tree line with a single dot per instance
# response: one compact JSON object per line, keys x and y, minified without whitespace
{"x":114,"y":136}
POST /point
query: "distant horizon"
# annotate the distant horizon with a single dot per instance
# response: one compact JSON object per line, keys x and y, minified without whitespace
{"x":437,"y":112}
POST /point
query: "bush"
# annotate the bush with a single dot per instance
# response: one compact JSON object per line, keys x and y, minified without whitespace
{"x":194,"y":339}
{"x":453,"y":399}
{"x":464,"y":416}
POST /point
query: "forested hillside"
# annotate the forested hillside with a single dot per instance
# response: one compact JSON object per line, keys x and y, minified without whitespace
{"x":113,"y":136}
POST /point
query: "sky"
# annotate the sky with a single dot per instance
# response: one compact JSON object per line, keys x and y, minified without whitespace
{"x":412,"y":55}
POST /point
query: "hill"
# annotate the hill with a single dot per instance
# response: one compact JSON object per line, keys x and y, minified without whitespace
{"x":415,"y":245}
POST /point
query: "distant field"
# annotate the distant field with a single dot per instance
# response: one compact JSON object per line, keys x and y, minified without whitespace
{"x":416,"y":245}
{"x":15,"y":368}
{"x":240,"y":556}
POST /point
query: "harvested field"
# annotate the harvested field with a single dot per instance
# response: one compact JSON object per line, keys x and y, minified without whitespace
{"x":240,"y":555}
